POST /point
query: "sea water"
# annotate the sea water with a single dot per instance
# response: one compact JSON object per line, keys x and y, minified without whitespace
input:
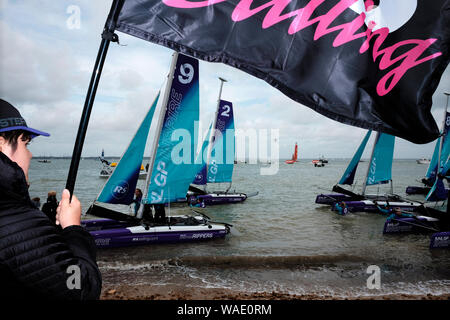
{"x":280,"y":240}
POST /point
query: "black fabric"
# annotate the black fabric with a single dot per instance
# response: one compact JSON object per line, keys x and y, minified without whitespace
{"x":34,"y":254}
{"x":335,"y":66}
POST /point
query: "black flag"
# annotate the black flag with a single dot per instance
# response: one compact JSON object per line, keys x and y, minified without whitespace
{"x":374,"y":64}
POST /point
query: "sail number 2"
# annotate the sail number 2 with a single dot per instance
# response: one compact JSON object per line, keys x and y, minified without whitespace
{"x":226,"y":111}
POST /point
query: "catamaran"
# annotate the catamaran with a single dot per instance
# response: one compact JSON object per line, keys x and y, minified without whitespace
{"x":379,"y":172}
{"x":442,"y":147}
{"x":168,"y":179}
{"x":219,"y":147}
{"x":108,"y":168}
{"x":431,"y":219}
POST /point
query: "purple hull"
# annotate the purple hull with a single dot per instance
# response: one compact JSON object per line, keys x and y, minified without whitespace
{"x":122,"y":237}
{"x":218,"y":198}
{"x":408,"y":225}
{"x":417,"y":190}
{"x":370,"y":206}
{"x":332,"y":198}
{"x":110,"y":234}
{"x":440,"y":240}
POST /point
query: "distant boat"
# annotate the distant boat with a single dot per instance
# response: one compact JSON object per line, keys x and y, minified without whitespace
{"x":294,"y":156}
{"x":44,"y":161}
{"x":322,"y":158}
{"x":107,"y":170}
{"x":318,"y":163}
{"x":423,"y":161}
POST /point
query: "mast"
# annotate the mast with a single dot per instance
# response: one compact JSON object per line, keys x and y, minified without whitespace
{"x":159,"y":124}
{"x":213,"y":135}
{"x":370,"y":162}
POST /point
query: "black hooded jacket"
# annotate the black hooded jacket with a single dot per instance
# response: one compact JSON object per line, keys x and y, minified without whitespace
{"x":37,"y":258}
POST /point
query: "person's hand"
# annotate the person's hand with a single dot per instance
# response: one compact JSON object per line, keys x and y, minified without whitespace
{"x":68,"y":212}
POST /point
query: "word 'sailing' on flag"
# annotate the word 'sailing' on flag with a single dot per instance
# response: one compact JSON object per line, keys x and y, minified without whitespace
{"x":374,"y":64}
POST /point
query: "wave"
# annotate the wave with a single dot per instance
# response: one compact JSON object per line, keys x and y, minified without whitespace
{"x":273,"y":262}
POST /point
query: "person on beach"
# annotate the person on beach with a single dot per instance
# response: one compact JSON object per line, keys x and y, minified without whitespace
{"x":137,"y":200}
{"x":37,"y":202}
{"x":160,"y":212}
{"x":39,"y":259}
{"x":49,"y":208}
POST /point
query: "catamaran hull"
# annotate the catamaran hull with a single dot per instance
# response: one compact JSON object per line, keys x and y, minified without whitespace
{"x":111,"y":235}
{"x":409,"y":225}
{"x":332,"y":198}
{"x":218,"y":198}
{"x":419,"y":190}
{"x":142,"y":176}
{"x":370,"y":206}
{"x":440,"y":240}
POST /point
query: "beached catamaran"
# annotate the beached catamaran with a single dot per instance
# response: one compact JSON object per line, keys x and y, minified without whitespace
{"x":432,"y":219}
{"x":379,"y":171}
{"x":348,"y":178}
{"x":170,"y":178}
{"x":219,"y":145}
{"x":441,"y":151}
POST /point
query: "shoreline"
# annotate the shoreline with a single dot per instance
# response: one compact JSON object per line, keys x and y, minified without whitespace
{"x":177,"y":292}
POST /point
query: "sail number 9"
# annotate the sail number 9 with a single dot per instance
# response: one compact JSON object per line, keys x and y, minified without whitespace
{"x":186,"y":73}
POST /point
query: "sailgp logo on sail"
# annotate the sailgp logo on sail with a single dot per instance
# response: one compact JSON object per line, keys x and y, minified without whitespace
{"x":373,"y":170}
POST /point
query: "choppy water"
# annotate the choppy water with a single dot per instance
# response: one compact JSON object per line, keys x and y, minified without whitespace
{"x":280,"y":240}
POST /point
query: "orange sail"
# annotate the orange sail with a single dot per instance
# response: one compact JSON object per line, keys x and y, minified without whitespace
{"x":294,"y":156}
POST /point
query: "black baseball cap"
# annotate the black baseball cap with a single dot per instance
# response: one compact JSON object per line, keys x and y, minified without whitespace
{"x":10,"y":119}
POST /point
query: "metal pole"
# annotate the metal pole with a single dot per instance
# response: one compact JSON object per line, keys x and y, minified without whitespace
{"x":159,"y":125}
{"x":107,"y":36}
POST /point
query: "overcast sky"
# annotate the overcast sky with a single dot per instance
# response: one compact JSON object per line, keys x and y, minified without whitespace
{"x":46,"y":63}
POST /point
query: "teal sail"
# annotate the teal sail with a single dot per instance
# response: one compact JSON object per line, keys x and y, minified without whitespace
{"x":380,"y":167}
{"x":221,"y":164}
{"x":200,"y":161}
{"x":172,"y":170}
{"x":445,"y":151}
{"x":349,"y":174}
{"x":120,"y":187}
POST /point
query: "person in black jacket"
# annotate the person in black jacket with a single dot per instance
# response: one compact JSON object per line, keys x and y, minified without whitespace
{"x":49,"y":208}
{"x":39,"y":259}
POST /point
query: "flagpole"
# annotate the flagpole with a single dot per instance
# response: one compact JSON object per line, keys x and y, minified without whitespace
{"x":108,"y":36}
